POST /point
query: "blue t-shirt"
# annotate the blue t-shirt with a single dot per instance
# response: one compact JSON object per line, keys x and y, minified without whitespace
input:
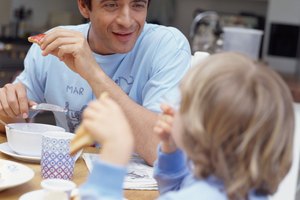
{"x":151,"y":70}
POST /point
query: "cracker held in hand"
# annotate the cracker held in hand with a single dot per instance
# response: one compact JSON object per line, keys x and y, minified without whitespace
{"x":82,"y":137}
{"x":36,"y":38}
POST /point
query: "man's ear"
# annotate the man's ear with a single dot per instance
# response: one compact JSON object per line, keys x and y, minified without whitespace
{"x":83,"y":8}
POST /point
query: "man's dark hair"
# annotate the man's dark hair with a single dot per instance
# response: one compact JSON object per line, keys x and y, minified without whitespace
{"x":89,"y":3}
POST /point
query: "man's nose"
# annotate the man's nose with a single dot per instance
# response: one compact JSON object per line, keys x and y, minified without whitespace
{"x":124,"y":18}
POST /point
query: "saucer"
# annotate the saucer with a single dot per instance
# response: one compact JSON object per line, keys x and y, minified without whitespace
{"x":4,"y":148}
{"x":13,"y":174}
{"x":33,"y":195}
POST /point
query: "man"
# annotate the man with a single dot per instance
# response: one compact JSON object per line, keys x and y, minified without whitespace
{"x":117,"y":52}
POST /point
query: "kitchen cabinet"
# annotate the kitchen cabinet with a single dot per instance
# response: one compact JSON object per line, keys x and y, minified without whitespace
{"x":12,"y":55}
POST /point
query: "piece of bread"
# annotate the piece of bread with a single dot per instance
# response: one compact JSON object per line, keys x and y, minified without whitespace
{"x":36,"y":38}
{"x":82,"y":137}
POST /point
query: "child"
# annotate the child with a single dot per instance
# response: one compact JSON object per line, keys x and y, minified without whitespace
{"x":230,"y":139}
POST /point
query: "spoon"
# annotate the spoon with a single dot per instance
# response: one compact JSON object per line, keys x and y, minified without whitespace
{"x":5,"y":124}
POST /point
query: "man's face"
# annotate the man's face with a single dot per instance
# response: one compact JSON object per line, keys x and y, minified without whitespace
{"x":116,"y":24}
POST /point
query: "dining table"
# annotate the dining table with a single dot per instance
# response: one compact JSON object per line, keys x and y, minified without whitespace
{"x":81,"y":173}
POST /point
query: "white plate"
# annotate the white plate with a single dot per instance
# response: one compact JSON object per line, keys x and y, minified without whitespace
{"x":13,"y":174}
{"x":37,"y":195}
{"x":34,"y":195}
{"x":4,"y":148}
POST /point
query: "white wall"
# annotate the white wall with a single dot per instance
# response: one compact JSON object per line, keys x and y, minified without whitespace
{"x":183,"y":11}
{"x":5,"y":11}
{"x":284,"y":11}
{"x":42,"y":9}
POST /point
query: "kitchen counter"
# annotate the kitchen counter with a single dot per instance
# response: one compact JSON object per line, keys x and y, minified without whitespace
{"x":291,"y":80}
{"x":294,"y":84}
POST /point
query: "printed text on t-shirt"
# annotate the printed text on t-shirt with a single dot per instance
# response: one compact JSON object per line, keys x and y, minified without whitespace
{"x":75,"y":90}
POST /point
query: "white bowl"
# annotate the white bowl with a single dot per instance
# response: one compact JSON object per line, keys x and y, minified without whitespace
{"x":26,"y":138}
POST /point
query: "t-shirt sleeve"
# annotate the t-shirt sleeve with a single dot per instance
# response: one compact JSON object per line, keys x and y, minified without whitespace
{"x":170,"y":170}
{"x":171,"y":60}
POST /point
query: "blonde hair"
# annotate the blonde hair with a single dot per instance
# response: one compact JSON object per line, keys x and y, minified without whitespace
{"x":238,"y":124}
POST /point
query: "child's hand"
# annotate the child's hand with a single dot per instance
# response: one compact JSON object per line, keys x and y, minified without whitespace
{"x":163,"y":129}
{"x":106,"y":122}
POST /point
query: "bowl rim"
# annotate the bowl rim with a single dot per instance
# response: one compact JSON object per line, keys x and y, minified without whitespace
{"x":17,"y":130}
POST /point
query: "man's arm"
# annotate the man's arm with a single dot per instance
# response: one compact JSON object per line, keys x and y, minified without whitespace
{"x":73,"y":49}
{"x":141,"y":120}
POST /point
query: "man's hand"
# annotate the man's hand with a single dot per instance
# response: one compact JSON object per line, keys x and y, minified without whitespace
{"x":14,"y":102}
{"x":70,"y":47}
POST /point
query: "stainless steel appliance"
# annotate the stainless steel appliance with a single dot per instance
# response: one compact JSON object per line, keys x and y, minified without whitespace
{"x":206,"y":32}
{"x":282,"y":36}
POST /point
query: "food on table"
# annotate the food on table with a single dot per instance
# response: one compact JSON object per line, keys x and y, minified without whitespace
{"x":36,"y":38}
{"x":82,"y":137}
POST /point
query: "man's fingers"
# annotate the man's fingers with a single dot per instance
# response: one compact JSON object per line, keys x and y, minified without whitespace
{"x":13,"y":101}
{"x":57,"y":33}
{"x":23,"y":108}
{"x":58,"y":37}
{"x":57,"y":44}
{"x":5,"y":109}
{"x":22,"y":100}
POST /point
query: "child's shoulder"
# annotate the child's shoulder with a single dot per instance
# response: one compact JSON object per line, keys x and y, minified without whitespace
{"x":204,"y":190}
{"x":200,"y":188}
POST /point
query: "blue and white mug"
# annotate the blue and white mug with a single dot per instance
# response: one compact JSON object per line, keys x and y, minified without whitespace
{"x":56,"y":161}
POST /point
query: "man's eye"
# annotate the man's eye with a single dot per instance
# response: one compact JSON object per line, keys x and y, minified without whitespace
{"x":139,"y":5}
{"x":111,"y":5}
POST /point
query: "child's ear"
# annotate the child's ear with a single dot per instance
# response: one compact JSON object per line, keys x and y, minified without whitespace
{"x":83,"y":8}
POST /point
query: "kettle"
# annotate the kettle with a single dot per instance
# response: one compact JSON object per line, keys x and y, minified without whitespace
{"x":206,"y":32}
{"x":208,"y":35}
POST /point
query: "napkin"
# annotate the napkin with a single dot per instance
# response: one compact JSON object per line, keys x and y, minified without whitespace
{"x":139,"y":174}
